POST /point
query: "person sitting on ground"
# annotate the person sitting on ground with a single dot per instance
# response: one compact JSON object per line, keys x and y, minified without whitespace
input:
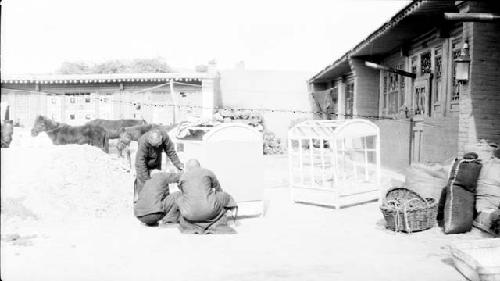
{"x":202,"y":198}
{"x":149,"y":153}
{"x":155,"y":202}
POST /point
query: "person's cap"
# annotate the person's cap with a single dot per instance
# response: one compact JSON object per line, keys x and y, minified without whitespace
{"x":154,"y":138}
{"x":471,"y":155}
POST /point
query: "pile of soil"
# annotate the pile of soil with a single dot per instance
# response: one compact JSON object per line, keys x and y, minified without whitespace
{"x":45,"y":184}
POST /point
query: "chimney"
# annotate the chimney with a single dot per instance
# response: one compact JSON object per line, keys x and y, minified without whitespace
{"x":212,"y":66}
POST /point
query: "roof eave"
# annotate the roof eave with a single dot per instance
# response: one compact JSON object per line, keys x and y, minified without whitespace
{"x":407,"y":10}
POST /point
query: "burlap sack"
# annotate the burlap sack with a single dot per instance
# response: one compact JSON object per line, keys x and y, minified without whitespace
{"x":458,"y":210}
{"x":488,"y":186}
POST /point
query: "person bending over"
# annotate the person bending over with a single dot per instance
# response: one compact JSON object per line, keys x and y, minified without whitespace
{"x":202,"y":198}
{"x":149,"y":154}
{"x":154,"y":201}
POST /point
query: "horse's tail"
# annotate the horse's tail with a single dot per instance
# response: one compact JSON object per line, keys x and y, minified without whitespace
{"x":105,"y":144}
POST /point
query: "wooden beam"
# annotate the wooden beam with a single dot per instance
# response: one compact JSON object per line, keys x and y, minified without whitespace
{"x":390,"y":69}
{"x":481,"y":17}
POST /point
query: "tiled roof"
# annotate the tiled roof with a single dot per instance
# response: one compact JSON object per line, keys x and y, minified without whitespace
{"x":424,"y":8}
{"x":103,"y":78}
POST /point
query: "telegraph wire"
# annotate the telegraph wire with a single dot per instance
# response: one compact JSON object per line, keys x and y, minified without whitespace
{"x":221,"y":108}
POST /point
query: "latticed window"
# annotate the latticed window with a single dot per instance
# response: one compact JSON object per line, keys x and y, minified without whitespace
{"x":455,"y":95}
{"x":349,"y":99}
{"x":425,"y":63}
{"x":392,"y":92}
{"x":420,"y":101}
{"x":437,"y":73}
{"x":401,"y":88}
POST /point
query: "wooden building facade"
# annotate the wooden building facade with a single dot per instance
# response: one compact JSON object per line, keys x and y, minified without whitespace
{"x":403,"y":76}
{"x":74,"y":99}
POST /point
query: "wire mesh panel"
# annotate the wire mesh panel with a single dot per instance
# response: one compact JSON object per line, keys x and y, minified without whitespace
{"x":334,"y":162}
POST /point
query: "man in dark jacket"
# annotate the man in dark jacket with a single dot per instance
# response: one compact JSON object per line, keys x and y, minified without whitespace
{"x":149,"y":153}
{"x":202,"y":198}
{"x":154,"y":200}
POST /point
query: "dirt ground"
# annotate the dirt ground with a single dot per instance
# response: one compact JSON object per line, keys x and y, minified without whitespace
{"x":67,"y":215}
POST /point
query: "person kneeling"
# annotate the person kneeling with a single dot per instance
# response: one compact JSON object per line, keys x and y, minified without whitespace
{"x":154,"y":201}
{"x":202,"y":201}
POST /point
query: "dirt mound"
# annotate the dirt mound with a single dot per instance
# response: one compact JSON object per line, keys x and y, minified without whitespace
{"x":63,"y":183}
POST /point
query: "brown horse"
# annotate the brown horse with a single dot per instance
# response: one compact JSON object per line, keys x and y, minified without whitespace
{"x":113,"y":127}
{"x":129,"y":134}
{"x":62,"y":134}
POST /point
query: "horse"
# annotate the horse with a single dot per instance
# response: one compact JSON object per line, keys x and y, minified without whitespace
{"x":7,"y":131}
{"x":129,"y":134}
{"x":113,"y":126}
{"x":62,"y":134}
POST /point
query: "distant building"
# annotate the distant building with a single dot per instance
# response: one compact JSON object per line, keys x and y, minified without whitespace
{"x":279,"y":96}
{"x":74,"y":99}
{"x":404,"y":76}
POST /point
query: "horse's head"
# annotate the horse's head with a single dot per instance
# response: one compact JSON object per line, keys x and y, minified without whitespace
{"x":42,"y":124}
{"x":38,"y":127}
{"x":125,"y":137}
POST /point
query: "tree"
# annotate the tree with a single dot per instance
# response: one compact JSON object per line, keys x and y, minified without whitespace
{"x":201,"y":68}
{"x":149,"y":65}
{"x":74,"y":68}
{"x":111,"y":66}
{"x":157,"y":65}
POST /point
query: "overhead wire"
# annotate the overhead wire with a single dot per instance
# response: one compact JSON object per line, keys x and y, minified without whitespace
{"x":219,"y":108}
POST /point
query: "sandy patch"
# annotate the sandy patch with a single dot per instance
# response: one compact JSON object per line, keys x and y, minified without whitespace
{"x":67,"y":215}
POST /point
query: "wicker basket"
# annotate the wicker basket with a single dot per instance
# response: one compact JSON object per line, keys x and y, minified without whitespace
{"x":405,"y":210}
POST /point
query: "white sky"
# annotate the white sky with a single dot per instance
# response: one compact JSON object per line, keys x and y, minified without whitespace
{"x":37,"y":35}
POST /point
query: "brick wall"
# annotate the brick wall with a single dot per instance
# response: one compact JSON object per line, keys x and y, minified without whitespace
{"x":366,"y":88}
{"x":480,"y":103}
{"x":485,"y":81}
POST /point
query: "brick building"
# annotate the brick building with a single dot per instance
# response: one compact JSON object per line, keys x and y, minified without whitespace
{"x":75,"y":99}
{"x":403,"y":76}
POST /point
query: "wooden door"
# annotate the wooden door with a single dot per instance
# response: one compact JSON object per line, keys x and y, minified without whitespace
{"x":421,"y":100}
{"x":417,"y":138}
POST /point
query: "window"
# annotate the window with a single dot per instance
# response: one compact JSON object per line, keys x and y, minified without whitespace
{"x":88,"y":117}
{"x":393,"y":95}
{"x":425,"y":63}
{"x":53,"y":100}
{"x":87,"y":100}
{"x":349,"y":99}
{"x":455,"y":94}
{"x":72,"y":100}
{"x":420,"y":101}
{"x":437,"y":75}
{"x":401,"y":88}
{"x":72,"y":117}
